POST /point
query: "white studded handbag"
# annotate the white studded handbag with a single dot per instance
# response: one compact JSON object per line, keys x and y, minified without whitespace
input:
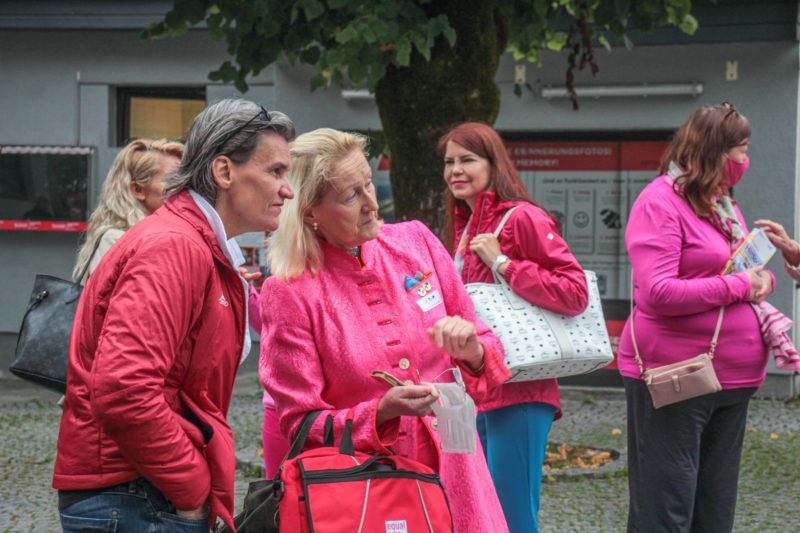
{"x":541,"y":344}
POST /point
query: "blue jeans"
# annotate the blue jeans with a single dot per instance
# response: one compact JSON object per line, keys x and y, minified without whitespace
{"x":514,"y":439}
{"x":135,"y":507}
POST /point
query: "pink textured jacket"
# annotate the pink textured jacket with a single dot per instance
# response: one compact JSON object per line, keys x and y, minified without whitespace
{"x":326,"y":334}
{"x":677,"y":258}
{"x":542,"y":270}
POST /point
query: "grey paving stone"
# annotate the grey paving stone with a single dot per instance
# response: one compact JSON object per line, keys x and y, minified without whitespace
{"x":768,"y":487}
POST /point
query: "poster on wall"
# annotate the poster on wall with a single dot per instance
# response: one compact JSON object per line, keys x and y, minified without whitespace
{"x":589,"y":187}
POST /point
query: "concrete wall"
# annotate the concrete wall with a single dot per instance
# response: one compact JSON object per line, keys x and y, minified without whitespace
{"x":56,"y":87}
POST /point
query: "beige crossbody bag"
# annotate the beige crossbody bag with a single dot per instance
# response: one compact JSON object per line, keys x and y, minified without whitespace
{"x":683,"y":380}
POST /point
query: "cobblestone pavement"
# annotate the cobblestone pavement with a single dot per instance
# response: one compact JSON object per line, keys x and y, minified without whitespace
{"x":769,"y":482}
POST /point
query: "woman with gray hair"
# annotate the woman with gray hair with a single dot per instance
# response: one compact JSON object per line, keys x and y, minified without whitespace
{"x":351,"y":299}
{"x":159,"y":333}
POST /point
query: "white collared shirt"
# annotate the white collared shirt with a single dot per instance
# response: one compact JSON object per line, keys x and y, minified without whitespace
{"x":234,"y":256}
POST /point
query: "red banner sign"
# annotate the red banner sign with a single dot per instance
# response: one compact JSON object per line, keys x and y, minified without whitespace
{"x":42,"y":225}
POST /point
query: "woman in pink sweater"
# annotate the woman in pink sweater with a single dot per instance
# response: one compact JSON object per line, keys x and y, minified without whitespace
{"x":349,"y":296}
{"x":683,"y":459}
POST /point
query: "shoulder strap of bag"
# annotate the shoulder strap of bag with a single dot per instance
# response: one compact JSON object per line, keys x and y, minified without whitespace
{"x":498,"y":229}
{"x":638,"y":356}
{"x":504,"y":220}
{"x":85,"y":268}
{"x":300,"y":439}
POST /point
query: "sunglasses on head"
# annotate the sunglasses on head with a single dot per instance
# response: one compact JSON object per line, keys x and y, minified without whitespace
{"x":263,"y":114}
{"x":730,"y":107}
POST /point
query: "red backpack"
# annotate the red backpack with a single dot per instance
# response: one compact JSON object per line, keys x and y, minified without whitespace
{"x":332,"y":489}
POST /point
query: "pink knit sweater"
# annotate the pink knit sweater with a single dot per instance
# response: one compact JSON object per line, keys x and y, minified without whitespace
{"x":326,"y":334}
{"x":677,"y":258}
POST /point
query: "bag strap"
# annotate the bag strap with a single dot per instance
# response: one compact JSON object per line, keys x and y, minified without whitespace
{"x":498,"y":229}
{"x":638,"y":356}
{"x":302,"y":434}
{"x":85,"y":268}
{"x":504,"y":220}
{"x":345,"y":444}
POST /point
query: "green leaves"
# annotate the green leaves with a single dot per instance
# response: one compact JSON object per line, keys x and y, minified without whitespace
{"x":558,"y":41}
{"x":688,"y":24}
{"x":343,"y":39}
{"x":359,"y":40}
{"x":312,"y":8}
{"x":403,"y":52}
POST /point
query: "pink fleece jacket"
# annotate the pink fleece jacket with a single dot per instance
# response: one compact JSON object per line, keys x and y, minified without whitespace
{"x":677,"y":258}
{"x":326,"y":334}
{"x":542,"y":270}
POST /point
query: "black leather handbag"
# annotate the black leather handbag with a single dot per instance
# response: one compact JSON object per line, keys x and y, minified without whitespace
{"x":42,"y":350}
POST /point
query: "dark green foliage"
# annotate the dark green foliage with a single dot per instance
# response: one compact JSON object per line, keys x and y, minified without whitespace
{"x":430,"y":63}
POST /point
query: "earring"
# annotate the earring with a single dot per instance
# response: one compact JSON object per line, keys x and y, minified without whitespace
{"x":315,"y":225}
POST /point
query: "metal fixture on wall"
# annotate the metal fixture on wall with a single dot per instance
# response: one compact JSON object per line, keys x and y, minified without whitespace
{"x":357,"y":94}
{"x":643,"y":90}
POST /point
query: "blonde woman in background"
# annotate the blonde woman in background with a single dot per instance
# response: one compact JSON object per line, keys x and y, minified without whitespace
{"x":132,"y":191}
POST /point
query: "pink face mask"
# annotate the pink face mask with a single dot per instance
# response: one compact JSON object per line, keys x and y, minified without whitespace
{"x":734,"y":171}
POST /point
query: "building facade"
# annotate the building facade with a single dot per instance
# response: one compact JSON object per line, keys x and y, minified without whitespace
{"x":68,"y":75}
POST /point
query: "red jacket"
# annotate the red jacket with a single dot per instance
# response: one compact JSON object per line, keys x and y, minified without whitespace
{"x":156,"y":343}
{"x":542,"y":270}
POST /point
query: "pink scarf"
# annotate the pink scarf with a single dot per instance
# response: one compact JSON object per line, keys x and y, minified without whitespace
{"x":774,"y":326}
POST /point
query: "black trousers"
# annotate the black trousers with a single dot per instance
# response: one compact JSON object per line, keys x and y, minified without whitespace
{"x":683,"y":460}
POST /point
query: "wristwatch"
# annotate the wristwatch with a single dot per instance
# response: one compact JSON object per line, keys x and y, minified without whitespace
{"x":502,"y":258}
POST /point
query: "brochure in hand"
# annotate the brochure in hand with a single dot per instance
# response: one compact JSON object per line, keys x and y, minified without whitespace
{"x":754,"y":251}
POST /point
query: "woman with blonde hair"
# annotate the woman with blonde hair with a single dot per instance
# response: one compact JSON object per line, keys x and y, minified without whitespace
{"x":350,"y":297}
{"x":132,"y":191}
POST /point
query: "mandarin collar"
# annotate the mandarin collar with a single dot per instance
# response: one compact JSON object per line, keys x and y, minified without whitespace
{"x":337,"y":258}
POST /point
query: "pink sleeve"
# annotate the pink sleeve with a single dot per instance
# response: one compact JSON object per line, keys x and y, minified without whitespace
{"x":543,"y":269}
{"x":254,"y":309}
{"x":458,"y":302}
{"x":654,"y":240}
{"x":292,"y":374}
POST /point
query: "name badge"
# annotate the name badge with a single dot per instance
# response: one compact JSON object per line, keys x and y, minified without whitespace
{"x":429,"y":301}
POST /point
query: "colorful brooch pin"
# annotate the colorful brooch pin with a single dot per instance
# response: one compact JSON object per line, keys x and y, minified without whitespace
{"x":409,"y":282}
{"x":424,"y":288}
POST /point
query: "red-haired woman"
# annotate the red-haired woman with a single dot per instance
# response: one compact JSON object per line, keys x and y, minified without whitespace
{"x":683,"y":459}
{"x":482,"y":185}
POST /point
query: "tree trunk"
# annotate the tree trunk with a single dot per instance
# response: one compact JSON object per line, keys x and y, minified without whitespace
{"x":420,"y":103}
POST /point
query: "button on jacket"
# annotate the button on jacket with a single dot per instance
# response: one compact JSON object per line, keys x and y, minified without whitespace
{"x":155,"y":347}
{"x":543,"y":271}
{"x":326,"y":334}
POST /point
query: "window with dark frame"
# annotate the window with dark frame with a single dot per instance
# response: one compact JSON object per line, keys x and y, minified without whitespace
{"x":156,"y":112}
{"x":44,"y":188}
